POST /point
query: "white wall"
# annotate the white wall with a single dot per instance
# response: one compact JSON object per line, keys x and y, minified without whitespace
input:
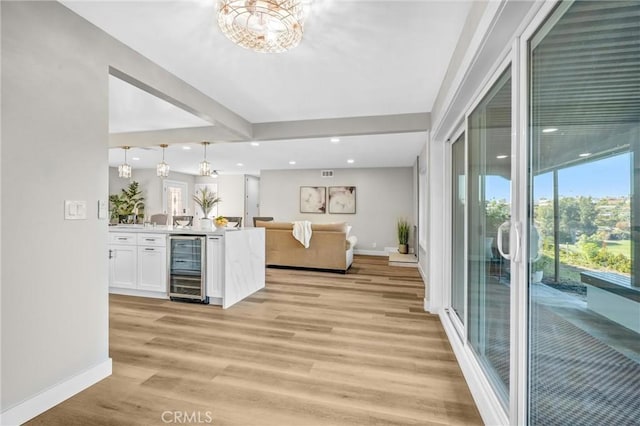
{"x":54,"y":271}
{"x":423,"y":212}
{"x":383,"y":195}
{"x":231,"y":191}
{"x":151,"y":186}
{"x":54,"y":313}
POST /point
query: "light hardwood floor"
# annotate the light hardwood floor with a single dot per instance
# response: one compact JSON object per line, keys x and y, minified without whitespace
{"x":312,"y":348}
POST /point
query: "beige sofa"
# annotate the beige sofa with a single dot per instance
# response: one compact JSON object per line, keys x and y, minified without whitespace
{"x":329,"y":247}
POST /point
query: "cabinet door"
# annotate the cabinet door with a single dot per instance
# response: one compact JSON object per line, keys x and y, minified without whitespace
{"x":122,"y":266}
{"x":152,"y":269}
{"x":214,"y":267}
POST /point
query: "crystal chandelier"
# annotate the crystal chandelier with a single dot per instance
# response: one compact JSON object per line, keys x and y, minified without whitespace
{"x":124,"y":170}
{"x":205,"y":166}
{"x":162,"y":169}
{"x":270,"y":26}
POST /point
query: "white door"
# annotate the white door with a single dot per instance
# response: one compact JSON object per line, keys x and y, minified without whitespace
{"x":251,"y":199}
{"x":152,"y":269}
{"x":175,"y":199}
{"x":122,"y":266}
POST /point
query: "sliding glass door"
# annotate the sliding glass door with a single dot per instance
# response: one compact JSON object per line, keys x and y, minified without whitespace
{"x":566,"y":309}
{"x":458,"y":202}
{"x":488,"y":211}
{"x":584,"y":205}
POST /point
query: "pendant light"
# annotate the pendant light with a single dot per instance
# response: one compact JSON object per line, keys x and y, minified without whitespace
{"x":205,"y":166}
{"x":124,"y":170}
{"x":162,"y":169}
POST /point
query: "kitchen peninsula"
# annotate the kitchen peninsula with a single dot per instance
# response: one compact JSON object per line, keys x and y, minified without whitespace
{"x":233,"y":261}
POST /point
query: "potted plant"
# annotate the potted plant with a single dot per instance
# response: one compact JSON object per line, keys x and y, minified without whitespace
{"x":538,"y":267}
{"x":128,"y":205}
{"x":207,"y":200}
{"x":403,"y":236}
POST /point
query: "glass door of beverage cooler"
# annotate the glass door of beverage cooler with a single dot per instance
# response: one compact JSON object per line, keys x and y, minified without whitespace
{"x":186,"y":267}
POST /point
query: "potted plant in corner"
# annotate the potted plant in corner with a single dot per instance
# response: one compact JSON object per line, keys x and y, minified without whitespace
{"x":403,"y":236}
{"x":538,"y":267}
{"x":207,"y":200}
{"x":128,"y":205}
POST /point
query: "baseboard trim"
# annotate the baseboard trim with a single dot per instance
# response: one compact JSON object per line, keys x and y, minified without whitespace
{"x":488,"y":405}
{"x":371,"y":252}
{"x":28,"y":409}
{"x":427,"y":304}
{"x":138,"y":293}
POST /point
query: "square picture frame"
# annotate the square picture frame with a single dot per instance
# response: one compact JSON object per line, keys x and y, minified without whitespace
{"x":313,"y":199}
{"x":342,"y":199}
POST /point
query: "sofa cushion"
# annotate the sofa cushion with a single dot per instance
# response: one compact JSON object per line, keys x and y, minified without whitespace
{"x":335,"y":227}
{"x":275,"y":225}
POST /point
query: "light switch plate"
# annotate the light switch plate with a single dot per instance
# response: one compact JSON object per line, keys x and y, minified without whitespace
{"x":103,"y":211}
{"x":75,"y":210}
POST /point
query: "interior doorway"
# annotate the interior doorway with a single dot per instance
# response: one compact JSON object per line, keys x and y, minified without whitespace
{"x":251,"y":199}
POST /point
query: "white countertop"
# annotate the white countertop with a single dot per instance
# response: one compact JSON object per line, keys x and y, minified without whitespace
{"x":164,"y":229}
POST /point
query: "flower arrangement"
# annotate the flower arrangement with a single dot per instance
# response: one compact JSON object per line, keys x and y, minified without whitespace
{"x":207,"y":200}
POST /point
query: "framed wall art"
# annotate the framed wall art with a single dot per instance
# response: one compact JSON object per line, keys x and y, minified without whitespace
{"x":313,"y":199}
{"x":342,"y":199}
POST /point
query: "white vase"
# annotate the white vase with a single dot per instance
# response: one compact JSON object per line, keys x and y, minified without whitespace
{"x":536,"y":277}
{"x":206,"y":224}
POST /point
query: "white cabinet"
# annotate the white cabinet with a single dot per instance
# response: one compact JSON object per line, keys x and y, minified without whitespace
{"x":215,"y":267}
{"x":122,"y":265}
{"x":138,"y":264}
{"x":152,"y":240}
{"x":152,"y":268}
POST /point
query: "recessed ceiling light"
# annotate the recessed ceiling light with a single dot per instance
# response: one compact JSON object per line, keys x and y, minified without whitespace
{"x":334,"y":140}
{"x":292,"y":162}
{"x":255,"y":143}
{"x":186,"y":148}
{"x":135,"y":158}
{"x":501,"y":156}
{"x":351,"y":161}
{"x":549,"y":130}
{"x":239,"y":164}
{"x":584,"y":154}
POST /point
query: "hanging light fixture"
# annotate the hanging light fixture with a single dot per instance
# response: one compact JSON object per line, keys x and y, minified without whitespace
{"x":162,"y":169}
{"x":124,"y":170}
{"x":214,"y":174}
{"x":205,"y":166}
{"x":270,"y":26}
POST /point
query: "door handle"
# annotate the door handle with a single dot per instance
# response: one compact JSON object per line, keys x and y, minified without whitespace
{"x":503,"y":225}
{"x":110,"y":254}
{"x":509,"y":256}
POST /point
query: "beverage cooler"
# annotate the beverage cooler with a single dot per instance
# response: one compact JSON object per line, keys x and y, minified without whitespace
{"x":187,"y":266}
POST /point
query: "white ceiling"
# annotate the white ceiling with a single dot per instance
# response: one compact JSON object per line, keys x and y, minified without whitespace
{"x":132,"y":110}
{"x":392,"y":150}
{"x":357,"y":58}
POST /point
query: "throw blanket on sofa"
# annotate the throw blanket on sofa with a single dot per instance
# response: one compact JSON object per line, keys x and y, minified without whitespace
{"x":302,"y":232}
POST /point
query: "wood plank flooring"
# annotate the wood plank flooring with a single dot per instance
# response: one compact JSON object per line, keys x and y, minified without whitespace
{"x":312,"y":348}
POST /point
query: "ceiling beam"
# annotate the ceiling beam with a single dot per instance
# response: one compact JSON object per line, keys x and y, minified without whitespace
{"x":131,"y":67}
{"x":350,"y":126}
{"x":171,"y":136}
